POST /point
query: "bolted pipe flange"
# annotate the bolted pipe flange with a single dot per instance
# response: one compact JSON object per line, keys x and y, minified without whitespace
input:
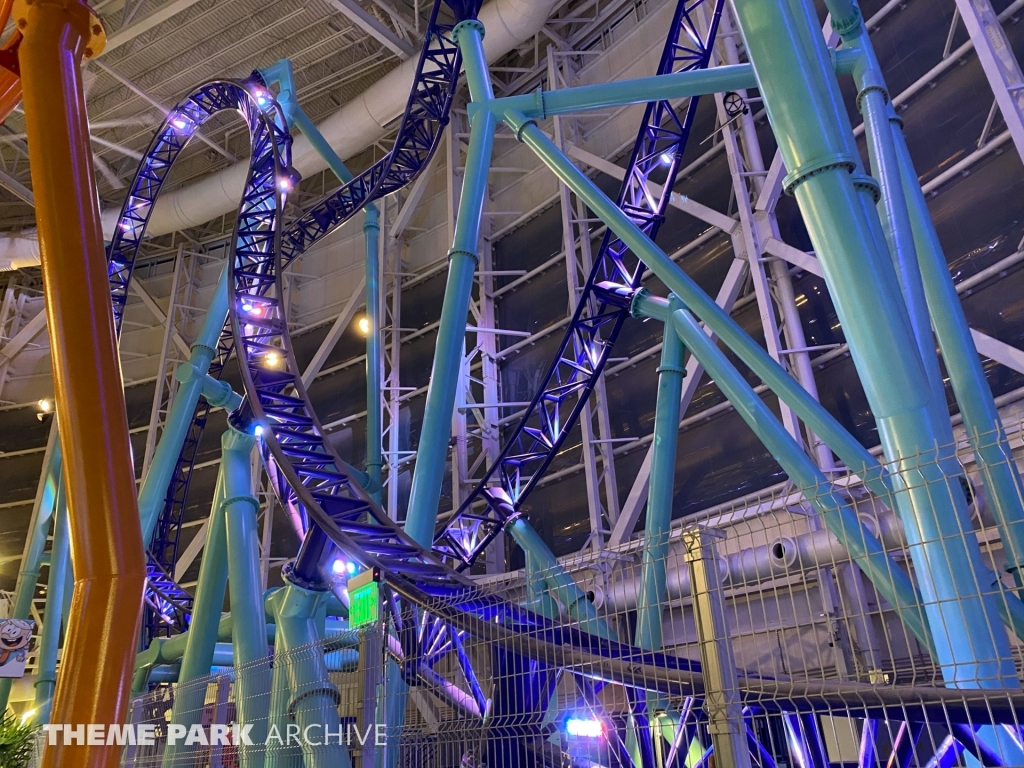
{"x":86,"y":21}
{"x":864,"y":183}
{"x":868,"y":88}
{"x":799,"y":175}
{"x":289,"y":575}
{"x":452,"y":252}
{"x":847,"y":26}
{"x":464,"y":26}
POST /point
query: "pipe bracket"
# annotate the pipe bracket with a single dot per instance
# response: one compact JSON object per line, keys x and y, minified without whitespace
{"x":799,"y":175}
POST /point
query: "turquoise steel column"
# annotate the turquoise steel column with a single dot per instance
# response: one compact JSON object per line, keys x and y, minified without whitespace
{"x":46,"y":673}
{"x":432,"y":452}
{"x":981,"y":418}
{"x":561,"y":584}
{"x":312,"y":697}
{"x":806,"y":111}
{"x":179,"y":419}
{"x":852,"y":453}
{"x":374,"y":459}
{"x":653,"y":591}
{"x":281,"y":73}
{"x":249,"y":625}
{"x":810,"y":411}
{"x":28,"y":575}
{"x":886,"y":576}
{"x":201,"y":638}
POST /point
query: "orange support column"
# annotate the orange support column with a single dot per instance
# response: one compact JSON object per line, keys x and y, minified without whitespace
{"x":106,"y":539}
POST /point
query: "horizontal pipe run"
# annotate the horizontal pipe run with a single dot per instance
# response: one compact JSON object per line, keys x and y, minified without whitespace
{"x":679,"y":85}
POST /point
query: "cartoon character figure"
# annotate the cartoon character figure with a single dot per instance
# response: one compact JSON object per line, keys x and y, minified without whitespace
{"x":15,"y":636}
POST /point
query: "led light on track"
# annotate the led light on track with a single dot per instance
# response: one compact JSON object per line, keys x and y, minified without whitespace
{"x":258,"y":430}
{"x":364,"y":325}
{"x":45,"y":405}
{"x":272,"y":359}
{"x":666,"y":158}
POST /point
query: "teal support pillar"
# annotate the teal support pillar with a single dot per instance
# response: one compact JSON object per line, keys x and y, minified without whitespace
{"x":165,"y":457}
{"x":35,"y":542}
{"x":967,"y":377}
{"x":974,"y":396}
{"x":312,"y":700}
{"x":201,"y":638}
{"x":374,"y":359}
{"x":873,"y":100}
{"x":432,"y":452}
{"x":559,"y":583}
{"x":817,"y":418}
{"x":653,"y":590}
{"x":887,"y":577}
{"x":281,"y":73}
{"x":46,"y":673}
{"x":245,"y":585}
{"x":806,"y":111}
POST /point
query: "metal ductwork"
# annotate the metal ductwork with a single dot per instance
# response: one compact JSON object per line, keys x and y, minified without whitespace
{"x":355,"y":126}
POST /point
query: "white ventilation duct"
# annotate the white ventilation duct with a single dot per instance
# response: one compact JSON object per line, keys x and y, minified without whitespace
{"x":350,"y":130}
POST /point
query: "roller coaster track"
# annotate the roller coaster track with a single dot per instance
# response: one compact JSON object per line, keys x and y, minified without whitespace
{"x":432,"y":606}
{"x":600,"y":314}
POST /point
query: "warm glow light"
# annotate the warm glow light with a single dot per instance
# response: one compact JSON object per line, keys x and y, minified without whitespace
{"x":587,"y":728}
{"x":364,"y":325}
{"x":28,"y":716}
{"x":272,"y":359}
{"x":45,"y":405}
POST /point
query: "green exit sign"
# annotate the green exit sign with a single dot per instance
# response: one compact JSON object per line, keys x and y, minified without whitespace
{"x":363,"y":599}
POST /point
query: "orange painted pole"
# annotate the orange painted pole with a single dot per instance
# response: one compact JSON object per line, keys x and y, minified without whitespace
{"x":106,"y":538}
{"x":10,"y":83}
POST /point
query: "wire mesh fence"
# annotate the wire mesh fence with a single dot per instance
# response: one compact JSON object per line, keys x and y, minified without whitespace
{"x":768,"y":632}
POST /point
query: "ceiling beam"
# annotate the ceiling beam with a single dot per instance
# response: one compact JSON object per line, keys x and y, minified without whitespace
{"x":374,"y":28}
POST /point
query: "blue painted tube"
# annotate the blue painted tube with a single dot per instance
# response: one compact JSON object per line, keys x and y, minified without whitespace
{"x":653,"y":590}
{"x":201,"y":638}
{"x":312,"y":697}
{"x":249,"y":626}
{"x":46,"y":674}
{"x":868,"y":736}
{"x":179,"y":419}
{"x":28,"y":575}
{"x":432,"y":452}
{"x":805,"y":743}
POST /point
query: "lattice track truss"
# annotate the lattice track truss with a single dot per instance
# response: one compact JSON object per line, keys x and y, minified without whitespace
{"x":600,"y":313}
{"x":169,"y":604}
{"x":431,"y":607}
